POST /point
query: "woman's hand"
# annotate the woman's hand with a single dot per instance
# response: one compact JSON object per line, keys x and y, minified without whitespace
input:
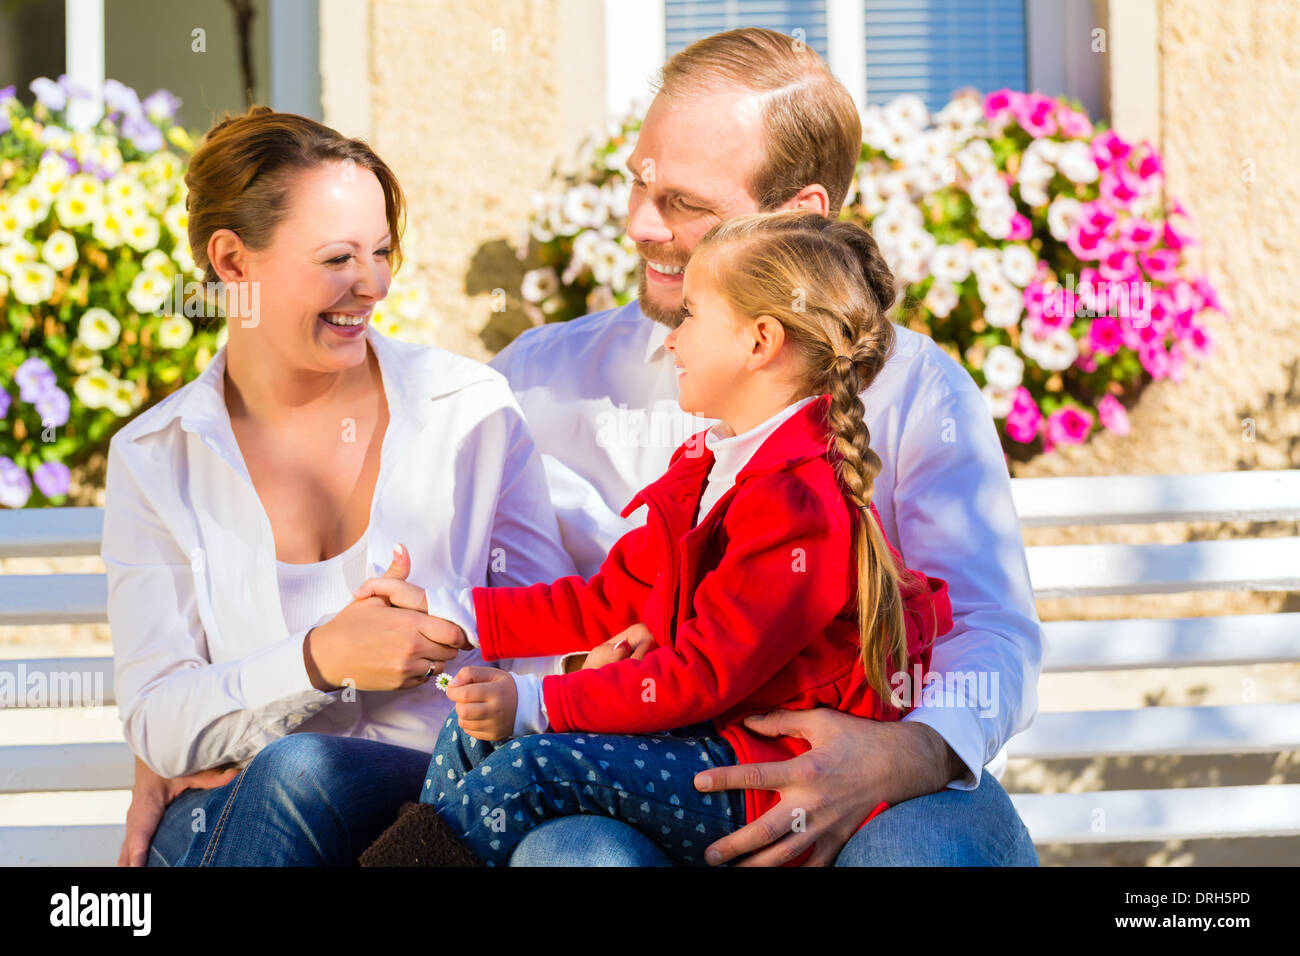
{"x":636,"y":642}
{"x":150,"y":797}
{"x":486,"y":701}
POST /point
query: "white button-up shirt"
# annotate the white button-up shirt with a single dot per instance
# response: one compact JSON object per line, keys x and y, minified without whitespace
{"x":207,"y":671}
{"x":600,"y":395}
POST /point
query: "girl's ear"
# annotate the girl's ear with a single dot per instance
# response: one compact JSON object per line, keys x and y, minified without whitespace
{"x":768,"y":337}
{"x":228,"y":255}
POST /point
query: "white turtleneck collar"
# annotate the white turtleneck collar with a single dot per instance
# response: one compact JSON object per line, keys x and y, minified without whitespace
{"x":732,"y":452}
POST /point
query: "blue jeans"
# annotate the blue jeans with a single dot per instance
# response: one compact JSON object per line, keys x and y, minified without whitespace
{"x":493,"y":794}
{"x":304,"y":800}
{"x":976,"y":827}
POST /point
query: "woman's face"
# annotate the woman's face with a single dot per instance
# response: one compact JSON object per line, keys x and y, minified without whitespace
{"x":319,"y":278}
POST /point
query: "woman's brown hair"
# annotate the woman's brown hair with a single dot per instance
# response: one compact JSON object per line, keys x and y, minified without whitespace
{"x":238,"y":177}
{"x":828,"y":285}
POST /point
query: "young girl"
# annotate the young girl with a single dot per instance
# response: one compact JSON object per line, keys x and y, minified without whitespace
{"x":761,"y":572}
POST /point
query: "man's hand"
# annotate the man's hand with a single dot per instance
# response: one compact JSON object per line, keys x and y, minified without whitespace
{"x":486,"y":701}
{"x":636,"y":642}
{"x":854,"y":764}
{"x":150,"y":797}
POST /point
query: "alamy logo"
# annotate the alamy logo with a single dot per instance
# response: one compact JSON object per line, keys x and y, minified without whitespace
{"x":102,"y":909}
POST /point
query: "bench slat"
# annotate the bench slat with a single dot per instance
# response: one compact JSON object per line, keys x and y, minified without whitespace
{"x":1143,"y":499}
{"x":87,"y":845}
{"x":53,"y":599}
{"x":50,"y":532}
{"x":1188,"y":813}
{"x":1132,"y":643}
{"x":1235,"y":729}
{"x":68,"y":681}
{"x":32,"y":768}
{"x":1091,"y":570}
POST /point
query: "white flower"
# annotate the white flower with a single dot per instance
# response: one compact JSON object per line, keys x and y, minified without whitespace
{"x":59,"y":250}
{"x":94,"y":387}
{"x":585,"y":244}
{"x":1033,"y":195}
{"x":76,"y":206}
{"x":122,"y":398}
{"x":986,"y":191}
{"x":584,"y":206}
{"x":1019,"y":264}
{"x":909,"y":269}
{"x":995,"y":219}
{"x":950,"y":263}
{"x":539,"y":284}
{"x":977,"y":160}
{"x":616,"y":197}
{"x":610,"y":264}
{"x":124,"y":189}
{"x":177,"y":220}
{"x":32,"y":283}
{"x":158,"y":261}
{"x":898,"y":138}
{"x":1003,"y":368}
{"x":98,"y":329}
{"x":869,"y":197}
{"x":107,"y":229}
{"x":30,"y":205}
{"x":174,"y":331}
{"x":875,"y":128}
{"x":917,"y":244}
{"x":1003,"y":315}
{"x":996,"y":290}
{"x":17,"y":254}
{"x":1055,"y":353}
{"x":141,"y":234}
{"x":617,"y":160}
{"x":1061,"y":215}
{"x":908,"y":111}
{"x":148,"y":291}
{"x":11,"y":227}
{"x":1076,"y":162}
{"x":1034,"y":171}
{"x":998,"y":400}
{"x":985,"y":262}
{"x":941,"y":299}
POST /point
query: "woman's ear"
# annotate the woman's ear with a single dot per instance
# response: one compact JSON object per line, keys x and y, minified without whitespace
{"x":228,"y":255}
{"x":768,"y":337}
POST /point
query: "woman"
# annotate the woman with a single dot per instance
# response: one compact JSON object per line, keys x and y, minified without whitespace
{"x":243,"y":511}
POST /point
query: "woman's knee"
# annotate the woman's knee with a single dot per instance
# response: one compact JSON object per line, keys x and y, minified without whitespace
{"x":296,"y":760}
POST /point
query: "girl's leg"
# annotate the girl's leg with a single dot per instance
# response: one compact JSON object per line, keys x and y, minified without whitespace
{"x":304,"y":800}
{"x":645,"y":781}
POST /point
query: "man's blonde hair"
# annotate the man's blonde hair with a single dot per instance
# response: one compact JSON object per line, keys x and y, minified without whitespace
{"x":814,"y":134}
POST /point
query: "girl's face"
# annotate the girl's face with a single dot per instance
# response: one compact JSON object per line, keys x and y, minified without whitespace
{"x":711,"y":348}
{"x":319,"y":279}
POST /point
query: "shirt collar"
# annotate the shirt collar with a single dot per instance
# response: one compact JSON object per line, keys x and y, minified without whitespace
{"x":654,"y":345}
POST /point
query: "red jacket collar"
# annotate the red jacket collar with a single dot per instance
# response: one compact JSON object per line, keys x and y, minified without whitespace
{"x":801,"y":437}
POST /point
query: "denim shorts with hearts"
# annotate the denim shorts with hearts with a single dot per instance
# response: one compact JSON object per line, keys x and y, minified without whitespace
{"x":492,"y":794}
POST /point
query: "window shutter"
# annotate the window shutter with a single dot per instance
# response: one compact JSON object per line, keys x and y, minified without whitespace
{"x":686,"y":21}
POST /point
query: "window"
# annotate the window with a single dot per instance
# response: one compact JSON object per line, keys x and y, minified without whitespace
{"x":686,"y":21}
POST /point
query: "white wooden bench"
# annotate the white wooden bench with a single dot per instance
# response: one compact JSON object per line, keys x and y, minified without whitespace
{"x":1258,"y":564}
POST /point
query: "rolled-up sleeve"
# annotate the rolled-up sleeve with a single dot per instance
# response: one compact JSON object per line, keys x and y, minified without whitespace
{"x":180,"y":711}
{"x":956,"y":520}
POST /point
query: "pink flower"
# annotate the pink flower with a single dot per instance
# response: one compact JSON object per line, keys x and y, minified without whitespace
{"x":1059,"y":309}
{"x":1000,"y":102}
{"x":1112,"y":415}
{"x":1105,"y":335}
{"x":1108,"y":149}
{"x":1155,"y":359}
{"x":1137,"y":235}
{"x":1160,"y":264}
{"x":1115,"y":262}
{"x":1209,"y":299}
{"x":1118,"y":186}
{"x":1199,"y":343}
{"x":1068,"y":426}
{"x":1074,"y":125}
{"x":1096,"y":217}
{"x":1084,"y":243}
{"x":1024,"y":419}
{"x":1150,"y":166}
{"x":1021,"y":227}
{"x":1034,"y":298}
{"x":1036,"y":115}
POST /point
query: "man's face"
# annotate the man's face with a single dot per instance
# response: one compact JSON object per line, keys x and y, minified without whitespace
{"x":691,"y":168}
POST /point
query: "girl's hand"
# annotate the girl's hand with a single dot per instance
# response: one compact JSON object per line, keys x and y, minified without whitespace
{"x":486,"y":702}
{"x":636,"y":642}
{"x":393,"y":586}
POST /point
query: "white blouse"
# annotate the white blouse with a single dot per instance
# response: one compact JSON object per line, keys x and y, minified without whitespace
{"x":208,"y":670}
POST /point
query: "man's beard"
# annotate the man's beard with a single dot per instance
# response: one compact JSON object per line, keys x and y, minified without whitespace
{"x":669,"y":317}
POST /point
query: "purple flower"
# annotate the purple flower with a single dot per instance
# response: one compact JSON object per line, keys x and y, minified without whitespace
{"x":15,"y":486}
{"x":52,"y":478}
{"x":143,"y":135}
{"x":120,"y":98}
{"x":7,"y":93}
{"x":50,"y":94}
{"x":5,"y":401}
{"x":161,"y":105}
{"x":34,"y":379}
{"x":53,"y":407}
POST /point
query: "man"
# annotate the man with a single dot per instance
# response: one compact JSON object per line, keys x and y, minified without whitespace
{"x":749,"y":121}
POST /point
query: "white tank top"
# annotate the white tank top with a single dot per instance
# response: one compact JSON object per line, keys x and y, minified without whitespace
{"x":312,"y":593}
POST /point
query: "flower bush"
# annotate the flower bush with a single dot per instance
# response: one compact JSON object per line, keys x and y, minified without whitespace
{"x":92,"y":237}
{"x":1037,"y":249}
{"x":92,"y":245}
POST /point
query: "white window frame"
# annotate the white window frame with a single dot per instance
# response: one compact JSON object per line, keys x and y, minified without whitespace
{"x":83,"y":45}
{"x":634,"y":50}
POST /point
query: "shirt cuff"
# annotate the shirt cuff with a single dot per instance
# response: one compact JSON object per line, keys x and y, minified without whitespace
{"x":276,"y":678}
{"x":960,"y":729}
{"x":455,"y":605}
{"x":530,"y":709}
{"x":562,"y":662}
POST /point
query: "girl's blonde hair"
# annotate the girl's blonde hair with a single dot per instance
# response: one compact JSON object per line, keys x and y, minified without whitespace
{"x":827,"y":284}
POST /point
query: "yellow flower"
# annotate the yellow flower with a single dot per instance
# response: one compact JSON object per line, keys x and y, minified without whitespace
{"x":108,"y":228}
{"x":30,"y":205}
{"x":17,"y":254}
{"x":59,"y":250}
{"x":11,"y":226}
{"x":33,"y":283}
{"x":123,"y":398}
{"x":124,"y":190}
{"x":94,"y":387}
{"x":179,"y":137}
{"x":141,"y":234}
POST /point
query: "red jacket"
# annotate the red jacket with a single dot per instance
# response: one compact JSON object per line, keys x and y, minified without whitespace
{"x":753,"y":609}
